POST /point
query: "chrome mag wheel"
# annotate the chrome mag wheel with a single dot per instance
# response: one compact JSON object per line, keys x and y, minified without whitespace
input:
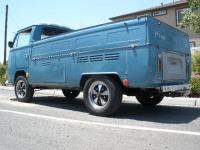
{"x":102,"y":95}
{"x":99,"y":94}
{"x":21,"y":89}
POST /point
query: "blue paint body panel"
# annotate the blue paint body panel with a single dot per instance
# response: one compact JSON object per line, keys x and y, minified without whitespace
{"x":128,"y":49}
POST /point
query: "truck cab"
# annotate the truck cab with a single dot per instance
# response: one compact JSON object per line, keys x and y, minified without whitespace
{"x":23,"y":42}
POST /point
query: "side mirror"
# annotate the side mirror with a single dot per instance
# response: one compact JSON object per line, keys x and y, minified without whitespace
{"x":10,"y":44}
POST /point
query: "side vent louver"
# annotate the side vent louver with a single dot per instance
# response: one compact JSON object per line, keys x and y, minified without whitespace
{"x":83,"y":59}
{"x":112,"y":56}
{"x":95,"y":58}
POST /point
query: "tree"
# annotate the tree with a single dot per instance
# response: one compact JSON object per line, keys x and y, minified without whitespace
{"x":191,"y":19}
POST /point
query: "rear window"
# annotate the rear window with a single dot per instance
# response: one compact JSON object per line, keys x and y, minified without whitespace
{"x":50,"y":31}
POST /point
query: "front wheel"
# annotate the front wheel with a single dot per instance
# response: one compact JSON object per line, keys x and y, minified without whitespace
{"x":70,"y":94}
{"x":148,"y":99}
{"x":23,"y":91}
{"x":102,"y":96}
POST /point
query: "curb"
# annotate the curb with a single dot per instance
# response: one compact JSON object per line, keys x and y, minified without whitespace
{"x":186,"y":101}
{"x":50,"y":91}
{"x":6,"y":87}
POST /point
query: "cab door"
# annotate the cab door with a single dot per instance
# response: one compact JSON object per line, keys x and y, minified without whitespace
{"x":47,"y":65}
{"x":22,"y":49}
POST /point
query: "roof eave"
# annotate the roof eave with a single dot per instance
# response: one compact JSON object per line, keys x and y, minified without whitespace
{"x":147,"y":10}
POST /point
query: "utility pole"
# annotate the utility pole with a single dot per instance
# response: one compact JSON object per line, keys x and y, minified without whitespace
{"x":5,"y":35}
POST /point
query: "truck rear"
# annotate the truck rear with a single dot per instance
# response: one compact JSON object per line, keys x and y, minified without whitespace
{"x":165,"y":67}
{"x":173,"y":56}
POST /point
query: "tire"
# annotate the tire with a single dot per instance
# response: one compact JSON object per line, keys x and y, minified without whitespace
{"x":23,"y":91}
{"x":70,"y":94}
{"x":102,"y":96}
{"x":148,"y":99}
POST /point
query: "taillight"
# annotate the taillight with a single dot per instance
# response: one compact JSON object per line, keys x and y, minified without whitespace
{"x":159,"y":65}
{"x":125,"y":82}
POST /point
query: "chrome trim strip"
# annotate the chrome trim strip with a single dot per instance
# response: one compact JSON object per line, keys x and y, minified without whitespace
{"x":65,"y":53}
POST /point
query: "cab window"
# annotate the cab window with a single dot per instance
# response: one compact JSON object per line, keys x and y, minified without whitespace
{"x":22,"y":38}
{"x":50,"y":31}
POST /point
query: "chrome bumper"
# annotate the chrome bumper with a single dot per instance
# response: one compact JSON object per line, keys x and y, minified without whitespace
{"x":176,"y":88}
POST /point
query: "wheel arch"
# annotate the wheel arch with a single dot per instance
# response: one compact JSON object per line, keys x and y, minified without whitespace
{"x":19,"y":73}
{"x":86,"y":76}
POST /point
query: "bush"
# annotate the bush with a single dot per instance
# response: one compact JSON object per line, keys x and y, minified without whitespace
{"x":196,"y":63}
{"x":195,"y":91}
{"x":3,"y":74}
{"x":195,"y":81}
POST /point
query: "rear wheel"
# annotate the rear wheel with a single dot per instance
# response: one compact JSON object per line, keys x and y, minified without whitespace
{"x":70,"y":94}
{"x":23,"y":91}
{"x":102,"y":96}
{"x":148,"y":99}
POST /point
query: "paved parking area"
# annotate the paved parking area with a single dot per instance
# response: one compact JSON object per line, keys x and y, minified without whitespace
{"x":52,"y":122}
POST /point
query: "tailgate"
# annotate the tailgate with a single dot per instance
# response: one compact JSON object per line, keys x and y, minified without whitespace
{"x":174,"y":66}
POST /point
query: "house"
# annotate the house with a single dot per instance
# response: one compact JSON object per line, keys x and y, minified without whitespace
{"x":171,"y":13}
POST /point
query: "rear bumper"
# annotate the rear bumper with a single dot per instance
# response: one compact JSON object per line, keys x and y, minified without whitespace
{"x":176,"y":88}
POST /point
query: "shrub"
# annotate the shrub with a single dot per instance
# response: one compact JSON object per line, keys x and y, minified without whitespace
{"x":195,"y":81}
{"x":196,"y":63}
{"x":195,"y":91}
{"x":3,"y":74}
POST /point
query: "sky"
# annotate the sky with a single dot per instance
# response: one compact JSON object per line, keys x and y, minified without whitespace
{"x":75,"y":14}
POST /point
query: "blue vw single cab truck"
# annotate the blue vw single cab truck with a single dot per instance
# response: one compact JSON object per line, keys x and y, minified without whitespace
{"x":143,"y":57}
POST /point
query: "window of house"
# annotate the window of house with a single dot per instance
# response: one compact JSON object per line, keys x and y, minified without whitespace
{"x":192,"y":44}
{"x":51,"y":31}
{"x":145,"y":14}
{"x":180,"y":15}
{"x":148,"y":14}
{"x":23,"y":38}
{"x":160,"y":13}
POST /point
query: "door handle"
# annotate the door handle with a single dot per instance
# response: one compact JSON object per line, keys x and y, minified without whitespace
{"x":35,"y":59}
{"x":26,"y":56}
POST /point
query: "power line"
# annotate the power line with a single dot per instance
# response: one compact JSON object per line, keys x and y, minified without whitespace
{"x":11,"y":17}
{"x":12,"y":20}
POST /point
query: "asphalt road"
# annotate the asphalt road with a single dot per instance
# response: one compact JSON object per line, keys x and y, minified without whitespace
{"x":52,"y":122}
